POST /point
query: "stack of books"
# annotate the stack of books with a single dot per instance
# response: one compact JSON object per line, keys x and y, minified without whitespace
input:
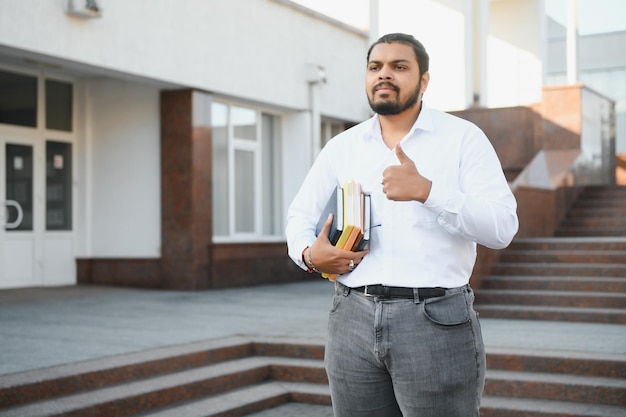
{"x":351,"y":210}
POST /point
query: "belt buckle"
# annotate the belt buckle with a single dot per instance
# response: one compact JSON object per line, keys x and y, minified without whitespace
{"x":365,"y":291}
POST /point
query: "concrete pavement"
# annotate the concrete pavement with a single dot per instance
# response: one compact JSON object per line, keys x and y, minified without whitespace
{"x":43,"y":327}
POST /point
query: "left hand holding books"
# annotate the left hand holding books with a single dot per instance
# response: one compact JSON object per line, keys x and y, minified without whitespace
{"x":330,"y":259}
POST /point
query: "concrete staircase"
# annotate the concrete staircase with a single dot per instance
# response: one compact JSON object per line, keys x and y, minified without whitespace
{"x":231,"y":377}
{"x":239,"y":377}
{"x":599,"y":211}
{"x":579,"y":275}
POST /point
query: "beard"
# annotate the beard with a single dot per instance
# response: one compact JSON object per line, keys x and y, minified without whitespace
{"x":389,"y":107}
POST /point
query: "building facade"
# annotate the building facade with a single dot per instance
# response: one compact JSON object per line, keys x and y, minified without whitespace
{"x":158,"y":146}
{"x":602,"y":67}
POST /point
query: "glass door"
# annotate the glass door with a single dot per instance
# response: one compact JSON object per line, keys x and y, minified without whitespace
{"x":36,"y":183}
{"x":59,"y":264}
{"x":17,"y":206}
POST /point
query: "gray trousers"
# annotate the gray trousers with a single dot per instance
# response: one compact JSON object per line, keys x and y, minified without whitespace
{"x":405,"y":357}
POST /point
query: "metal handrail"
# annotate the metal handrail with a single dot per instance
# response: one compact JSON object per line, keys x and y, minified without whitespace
{"x":20,"y":215}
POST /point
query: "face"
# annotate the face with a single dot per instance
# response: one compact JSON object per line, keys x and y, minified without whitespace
{"x":393,"y":80}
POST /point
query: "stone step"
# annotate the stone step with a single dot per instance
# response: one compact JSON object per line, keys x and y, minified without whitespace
{"x":605,"y":188}
{"x":603,"y":394}
{"x":594,"y":221}
{"x":603,"y":194}
{"x":523,"y":407}
{"x":511,"y":385}
{"x":244,"y":377}
{"x":152,"y":393}
{"x":559,"y":269}
{"x":603,"y":365}
{"x":556,"y":387}
{"x":296,"y":409}
{"x":616,"y":202}
{"x":553,"y":298}
{"x":136,"y":397}
{"x":601,"y":197}
{"x":566,"y":314}
{"x":595,"y":211}
{"x":248,"y":400}
{"x":578,"y":275}
{"x":552,"y":283}
{"x":567,"y":256}
{"x":591,"y":232}
{"x":569,"y":244}
{"x":41,"y":384}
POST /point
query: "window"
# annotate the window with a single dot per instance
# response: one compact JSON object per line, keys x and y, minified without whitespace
{"x":58,"y":186}
{"x":246,"y":171}
{"x":18,"y":99}
{"x":329,"y":130}
{"x":58,"y":105}
{"x":19,"y":185}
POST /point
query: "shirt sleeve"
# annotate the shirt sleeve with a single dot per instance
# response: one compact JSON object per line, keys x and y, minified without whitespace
{"x":307,"y":206}
{"x":483,"y":208}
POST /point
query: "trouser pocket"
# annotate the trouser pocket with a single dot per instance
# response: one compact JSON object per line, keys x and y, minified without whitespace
{"x":449,"y":310}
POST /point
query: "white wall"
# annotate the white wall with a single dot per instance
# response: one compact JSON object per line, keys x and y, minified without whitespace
{"x":255,"y":49}
{"x":515,"y":69}
{"x":514,"y":50}
{"x":297,"y":155}
{"x":440,"y":26}
{"x":123,"y":201}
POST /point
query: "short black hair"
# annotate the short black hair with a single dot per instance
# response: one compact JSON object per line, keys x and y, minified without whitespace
{"x":418,"y":48}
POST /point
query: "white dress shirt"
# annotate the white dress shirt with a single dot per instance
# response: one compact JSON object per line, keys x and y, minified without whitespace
{"x":413,"y":244}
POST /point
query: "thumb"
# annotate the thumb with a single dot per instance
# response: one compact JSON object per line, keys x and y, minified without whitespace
{"x":402,"y":157}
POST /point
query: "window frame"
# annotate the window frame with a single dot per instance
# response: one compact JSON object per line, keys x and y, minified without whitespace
{"x":329,"y":129}
{"x":260,"y":153}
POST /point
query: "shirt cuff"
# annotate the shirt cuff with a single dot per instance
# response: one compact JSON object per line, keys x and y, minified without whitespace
{"x":437,"y":199}
{"x":296,"y":254}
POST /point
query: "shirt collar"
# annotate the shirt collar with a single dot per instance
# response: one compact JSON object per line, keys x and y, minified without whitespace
{"x":424,"y":122}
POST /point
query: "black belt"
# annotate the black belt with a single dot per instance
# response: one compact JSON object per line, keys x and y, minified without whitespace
{"x":400,"y":292}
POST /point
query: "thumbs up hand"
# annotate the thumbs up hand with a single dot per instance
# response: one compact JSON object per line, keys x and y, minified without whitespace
{"x":404,"y":182}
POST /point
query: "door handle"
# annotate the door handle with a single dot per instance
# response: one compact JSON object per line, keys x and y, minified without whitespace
{"x":20,"y":214}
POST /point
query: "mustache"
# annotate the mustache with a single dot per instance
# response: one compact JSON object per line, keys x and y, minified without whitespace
{"x":386,"y":84}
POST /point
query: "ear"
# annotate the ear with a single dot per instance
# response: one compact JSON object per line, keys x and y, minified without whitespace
{"x":425,"y":80}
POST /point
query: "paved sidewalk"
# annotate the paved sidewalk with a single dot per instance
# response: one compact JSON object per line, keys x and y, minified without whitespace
{"x":42,"y":327}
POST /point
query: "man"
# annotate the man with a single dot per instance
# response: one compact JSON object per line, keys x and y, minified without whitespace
{"x":403,"y":338}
